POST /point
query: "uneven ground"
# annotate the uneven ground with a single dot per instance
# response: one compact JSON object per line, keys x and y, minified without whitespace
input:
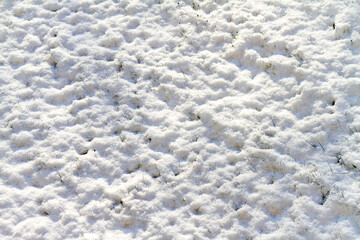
{"x":179,"y":119}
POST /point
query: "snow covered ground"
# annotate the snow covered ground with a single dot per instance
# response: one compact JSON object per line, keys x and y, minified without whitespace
{"x":162,"y":119}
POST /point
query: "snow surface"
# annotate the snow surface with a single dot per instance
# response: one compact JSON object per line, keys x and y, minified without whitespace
{"x":161,"y":119}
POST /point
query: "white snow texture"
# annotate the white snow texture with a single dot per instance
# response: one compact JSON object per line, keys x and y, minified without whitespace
{"x":163,"y":119}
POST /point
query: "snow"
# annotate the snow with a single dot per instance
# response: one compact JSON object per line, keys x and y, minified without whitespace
{"x":162,"y":119}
